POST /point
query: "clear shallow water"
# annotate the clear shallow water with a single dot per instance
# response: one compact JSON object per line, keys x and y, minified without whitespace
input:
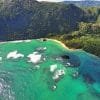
{"x":21,"y":80}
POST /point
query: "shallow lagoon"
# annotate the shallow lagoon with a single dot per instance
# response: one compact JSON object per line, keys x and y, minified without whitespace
{"x":24,"y":80}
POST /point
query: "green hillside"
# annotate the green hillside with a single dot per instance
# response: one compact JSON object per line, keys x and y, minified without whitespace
{"x":77,"y":27}
{"x":31,"y":19}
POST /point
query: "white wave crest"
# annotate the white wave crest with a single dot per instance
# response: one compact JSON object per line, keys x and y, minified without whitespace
{"x":58,"y":73}
{"x":14,"y":55}
{"x":53,"y":68}
{"x":34,"y":57}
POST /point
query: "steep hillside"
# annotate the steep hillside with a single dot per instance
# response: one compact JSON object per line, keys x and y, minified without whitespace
{"x":21,"y":19}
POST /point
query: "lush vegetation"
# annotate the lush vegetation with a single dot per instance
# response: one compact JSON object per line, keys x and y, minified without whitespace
{"x":29,"y":18}
{"x":86,"y":38}
{"x":77,"y":27}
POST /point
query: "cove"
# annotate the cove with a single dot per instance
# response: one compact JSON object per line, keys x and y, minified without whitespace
{"x":46,"y":70}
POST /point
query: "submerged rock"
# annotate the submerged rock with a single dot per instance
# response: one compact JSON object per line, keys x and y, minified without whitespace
{"x":53,"y":87}
{"x":88,"y":79}
{"x":58,"y":75}
{"x":65,"y":57}
{"x":71,"y":60}
{"x":41,"y":49}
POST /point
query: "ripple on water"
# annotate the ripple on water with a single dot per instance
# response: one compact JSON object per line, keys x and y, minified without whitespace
{"x":20,"y":79}
{"x":6,"y":92}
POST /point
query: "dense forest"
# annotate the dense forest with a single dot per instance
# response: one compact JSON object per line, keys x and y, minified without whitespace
{"x":77,"y":27}
{"x":26,"y":17}
{"x":29,"y":18}
{"x":87,"y":37}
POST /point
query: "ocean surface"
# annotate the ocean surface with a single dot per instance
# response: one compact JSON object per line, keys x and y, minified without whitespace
{"x":45,"y":70}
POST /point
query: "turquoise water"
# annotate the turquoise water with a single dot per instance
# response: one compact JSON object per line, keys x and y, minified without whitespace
{"x":23,"y":80}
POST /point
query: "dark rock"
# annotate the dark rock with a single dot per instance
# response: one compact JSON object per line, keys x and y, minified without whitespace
{"x":65,"y":57}
{"x":53,"y":87}
{"x":44,"y":39}
{"x":72,"y":59}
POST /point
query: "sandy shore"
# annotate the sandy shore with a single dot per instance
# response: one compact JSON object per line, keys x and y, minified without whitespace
{"x":62,"y":44}
{"x":16,"y":41}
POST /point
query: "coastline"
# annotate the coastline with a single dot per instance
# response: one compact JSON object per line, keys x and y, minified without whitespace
{"x":54,"y":40}
{"x":62,"y":44}
{"x":28,"y":40}
{"x":71,"y":49}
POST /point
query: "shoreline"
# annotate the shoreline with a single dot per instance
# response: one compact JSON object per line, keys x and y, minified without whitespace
{"x":72,"y":49}
{"x":27,"y":40}
{"x":62,"y":44}
{"x":54,"y":40}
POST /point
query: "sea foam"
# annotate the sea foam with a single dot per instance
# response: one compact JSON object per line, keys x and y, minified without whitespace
{"x":35,"y":57}
{"x":0,"y":59}
{"x":58,"y":73}
{"x":53,"y":68}
{"x":14,"y":55}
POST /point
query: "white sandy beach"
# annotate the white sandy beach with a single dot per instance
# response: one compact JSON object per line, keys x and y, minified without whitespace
{"x":63,"y":45}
